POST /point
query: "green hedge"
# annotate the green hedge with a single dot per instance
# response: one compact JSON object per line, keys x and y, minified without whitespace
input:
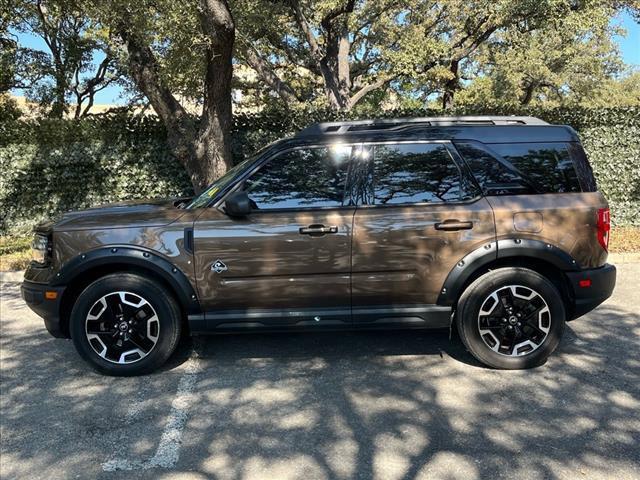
{"x":50,"y":166}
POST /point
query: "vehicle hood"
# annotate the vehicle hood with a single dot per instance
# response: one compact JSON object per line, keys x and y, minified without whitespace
{"x":130,"y":214}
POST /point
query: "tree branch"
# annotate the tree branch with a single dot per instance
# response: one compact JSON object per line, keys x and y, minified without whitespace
{"x":303,"y":24}
{"x":360,"y":94}
{"x":266,"y":72}
{"x":327,"y":20}
{"x":145,"y":71}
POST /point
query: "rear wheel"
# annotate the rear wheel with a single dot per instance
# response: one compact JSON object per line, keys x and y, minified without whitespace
{"x":125,"y":324}
{"x":511,"y":318}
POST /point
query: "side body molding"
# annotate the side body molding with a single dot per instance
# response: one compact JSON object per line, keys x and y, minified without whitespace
{"x":505,"y":248}
{"x":136,"y":257}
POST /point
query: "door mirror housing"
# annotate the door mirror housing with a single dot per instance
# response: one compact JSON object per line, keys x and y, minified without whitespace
{"x":237,"y":204}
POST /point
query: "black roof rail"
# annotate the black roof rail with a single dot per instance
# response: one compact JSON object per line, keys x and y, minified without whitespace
{"x":393,"y":124}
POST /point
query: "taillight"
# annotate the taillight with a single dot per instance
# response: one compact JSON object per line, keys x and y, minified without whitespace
{"x":604,"y":227}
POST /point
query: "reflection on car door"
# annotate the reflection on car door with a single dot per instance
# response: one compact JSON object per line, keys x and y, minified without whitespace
{"x":417,"y":219}
{"x":288,"y":262}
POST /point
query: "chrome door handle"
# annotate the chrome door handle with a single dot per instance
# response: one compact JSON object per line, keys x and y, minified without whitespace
{"x":318,"y":230}
{"x":453,"y":225}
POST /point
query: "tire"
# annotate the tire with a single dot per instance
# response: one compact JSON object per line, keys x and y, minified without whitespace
{"x":142,"y":315}
{"x":520,"y":338}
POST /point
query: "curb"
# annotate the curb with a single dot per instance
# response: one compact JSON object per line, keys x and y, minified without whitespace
{"x":620,"y":258}
{"x":15,"y":276}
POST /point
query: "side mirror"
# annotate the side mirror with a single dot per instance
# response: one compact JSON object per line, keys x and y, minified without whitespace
{"x":237,"y":204}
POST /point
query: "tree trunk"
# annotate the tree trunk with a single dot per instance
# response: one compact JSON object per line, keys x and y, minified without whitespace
{"x":59,"y":104}
{"x":451,"y":86}
{"x":332,"y":59}
{"x":335,"y":95}
{"x":181,"y":133}
{"x":204,"y":152}
{"x":214,"y":140}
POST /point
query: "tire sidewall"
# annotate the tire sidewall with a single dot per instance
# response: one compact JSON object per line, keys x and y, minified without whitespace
{"x":473,"y":299}
{"x":164,"y":306}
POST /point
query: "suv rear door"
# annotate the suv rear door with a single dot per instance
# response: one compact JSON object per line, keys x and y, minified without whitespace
{"x":288,"y":262}
{"x":419,"y":216}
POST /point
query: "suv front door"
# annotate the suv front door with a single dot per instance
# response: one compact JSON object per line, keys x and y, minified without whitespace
{"x":416,"y":219}
{"x":288,"y":262}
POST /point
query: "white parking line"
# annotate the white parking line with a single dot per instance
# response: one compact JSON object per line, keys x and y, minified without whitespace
{"x":168,"y":450}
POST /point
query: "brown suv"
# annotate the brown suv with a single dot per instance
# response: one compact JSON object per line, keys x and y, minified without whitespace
{"x":491,"y":224}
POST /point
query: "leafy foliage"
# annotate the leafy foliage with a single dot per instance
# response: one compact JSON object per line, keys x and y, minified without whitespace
{"x":65,"y":74}
{"x":564,"y":61}
{"x":50,"y":166}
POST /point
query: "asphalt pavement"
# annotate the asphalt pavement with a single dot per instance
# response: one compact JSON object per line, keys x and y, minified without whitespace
{"x":372,"y":405}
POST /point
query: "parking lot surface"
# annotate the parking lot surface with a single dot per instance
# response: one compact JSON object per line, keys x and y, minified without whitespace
{"x":372,"y":405}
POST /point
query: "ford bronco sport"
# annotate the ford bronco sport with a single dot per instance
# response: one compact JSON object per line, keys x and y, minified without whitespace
{"x":491,"y":225}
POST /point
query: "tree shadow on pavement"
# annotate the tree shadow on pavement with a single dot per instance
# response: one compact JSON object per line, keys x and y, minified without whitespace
{"x":388,"y":405}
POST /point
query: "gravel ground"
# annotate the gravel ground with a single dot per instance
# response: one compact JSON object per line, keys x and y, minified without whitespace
{"x":383,"y":405}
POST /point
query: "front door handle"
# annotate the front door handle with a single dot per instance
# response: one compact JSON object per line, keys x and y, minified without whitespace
{"x":453,"y":225}
{"x":318,"y":230}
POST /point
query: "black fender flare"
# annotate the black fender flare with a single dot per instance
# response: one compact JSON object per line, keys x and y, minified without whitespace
{"x":505,"y":248}
{"x":136,"y":257}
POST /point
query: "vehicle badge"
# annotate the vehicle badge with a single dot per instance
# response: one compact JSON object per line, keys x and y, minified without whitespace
{"x":219,"y":266}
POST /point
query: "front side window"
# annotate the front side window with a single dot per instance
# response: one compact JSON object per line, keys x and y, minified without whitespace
{"x":302,"y":178}
{"x":225,"y":180}
{"x":548,"y":166}
{"x":415,"y":173}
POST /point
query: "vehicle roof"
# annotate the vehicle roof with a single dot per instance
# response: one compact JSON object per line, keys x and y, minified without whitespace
{"x":484,"y":129}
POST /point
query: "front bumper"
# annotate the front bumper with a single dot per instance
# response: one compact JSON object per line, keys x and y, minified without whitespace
{"x":600,"y":281}
{"x":49,"y":309}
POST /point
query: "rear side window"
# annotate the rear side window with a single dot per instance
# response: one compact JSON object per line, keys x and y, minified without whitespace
{"x":415,"y":173}
{"x":548,"y":166}
{"x":493,"y":176}
{"x":303,"y":178}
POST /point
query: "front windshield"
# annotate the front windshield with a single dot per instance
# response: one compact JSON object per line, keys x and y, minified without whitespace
{"x":205,"y":197}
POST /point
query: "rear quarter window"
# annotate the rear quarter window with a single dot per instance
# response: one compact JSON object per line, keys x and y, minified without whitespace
{"x":547,"y":166}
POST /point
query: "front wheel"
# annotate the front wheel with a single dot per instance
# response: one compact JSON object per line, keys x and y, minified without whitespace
{"x":511,"y":318}
{"x":125,"y":324}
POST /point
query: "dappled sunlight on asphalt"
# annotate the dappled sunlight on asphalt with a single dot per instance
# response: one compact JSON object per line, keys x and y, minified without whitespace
{"x":386,"y":405}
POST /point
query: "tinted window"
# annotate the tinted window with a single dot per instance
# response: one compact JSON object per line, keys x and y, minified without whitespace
{"x":548,"y":166}
{"x":414,"y":173}
{"x":493,"y":177}
{"x":301,"y":179}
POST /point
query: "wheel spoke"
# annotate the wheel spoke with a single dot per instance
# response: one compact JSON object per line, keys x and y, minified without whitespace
{"x":491,"y":327}
{"x":534,"y":326}
{"x":97,"y":327}
{"x":114,"y":307}
{"x":142,"y":341}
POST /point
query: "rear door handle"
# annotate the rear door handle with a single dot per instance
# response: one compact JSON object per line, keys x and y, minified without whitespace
{"x":318,"y":230}
{"x":453,"y":225}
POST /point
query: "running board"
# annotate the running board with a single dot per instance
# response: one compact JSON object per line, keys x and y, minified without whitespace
{"x":371,"y":317}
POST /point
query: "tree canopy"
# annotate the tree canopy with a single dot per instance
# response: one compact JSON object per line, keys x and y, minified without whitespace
{"x":192,"y":61}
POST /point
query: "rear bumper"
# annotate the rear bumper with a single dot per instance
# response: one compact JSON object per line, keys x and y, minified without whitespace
{"x":586,"y":298}
{"x":49,"y":309}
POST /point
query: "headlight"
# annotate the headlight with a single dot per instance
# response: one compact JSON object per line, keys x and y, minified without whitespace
{"x":40,"y":248}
